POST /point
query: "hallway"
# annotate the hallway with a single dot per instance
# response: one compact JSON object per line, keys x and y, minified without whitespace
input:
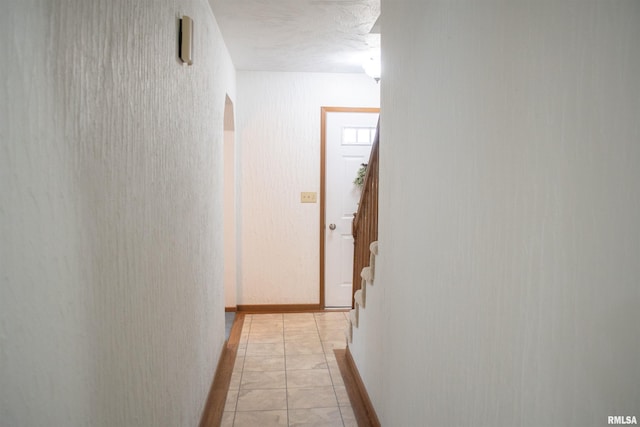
{"x":286,"y":374}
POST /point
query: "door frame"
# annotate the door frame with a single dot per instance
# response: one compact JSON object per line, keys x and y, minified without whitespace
{"x":323,"y":177}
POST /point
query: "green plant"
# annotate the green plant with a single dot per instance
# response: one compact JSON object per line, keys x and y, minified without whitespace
{"x":359,"y":181}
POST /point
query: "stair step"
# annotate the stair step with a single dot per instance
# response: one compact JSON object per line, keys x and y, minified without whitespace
{"x":367,"y":274}
{"x":373,"y":247}
{"x":359,"y":297}
{"x":372,"y":265}
{"x":353,"y":315}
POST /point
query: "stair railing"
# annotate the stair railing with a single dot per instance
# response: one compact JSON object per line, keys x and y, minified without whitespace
{"x":365,"y":221}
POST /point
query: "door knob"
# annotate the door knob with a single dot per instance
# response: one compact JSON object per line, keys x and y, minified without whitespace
{"x":332,"y":226}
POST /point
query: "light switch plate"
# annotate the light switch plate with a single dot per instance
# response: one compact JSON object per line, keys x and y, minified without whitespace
{"x":186,"y":36}
{"x":309,"y":197}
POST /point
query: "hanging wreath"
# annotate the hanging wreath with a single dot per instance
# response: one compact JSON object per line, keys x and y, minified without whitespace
{"x":359,"y":181}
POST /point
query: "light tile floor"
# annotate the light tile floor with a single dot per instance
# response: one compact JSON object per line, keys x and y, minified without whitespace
{"x":286,"y":374}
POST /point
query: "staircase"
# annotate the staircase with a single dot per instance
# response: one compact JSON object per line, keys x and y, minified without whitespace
{"x":367,"y":276}
{"x":365,"y":236}
{"x":363,"y":330}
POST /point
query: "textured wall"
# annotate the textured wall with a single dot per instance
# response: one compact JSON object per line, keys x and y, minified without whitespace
{"x":278,"y":132}
{"x":111,"y":310}
{"x":509,"y":234}
{"x":230,"y":229}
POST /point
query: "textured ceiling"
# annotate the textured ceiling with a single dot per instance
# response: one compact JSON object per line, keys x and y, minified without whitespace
{"x":298,"y":35}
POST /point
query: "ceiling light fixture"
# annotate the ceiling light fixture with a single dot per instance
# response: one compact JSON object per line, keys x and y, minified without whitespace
{"x":373,"y":68}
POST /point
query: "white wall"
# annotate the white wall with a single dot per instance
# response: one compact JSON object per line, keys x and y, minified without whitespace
{"x":230,"y":230}
{"x":509,"y":234}
{"x":278,"y":132}
{"x":230,"y":202}
{"x":111,"y":309}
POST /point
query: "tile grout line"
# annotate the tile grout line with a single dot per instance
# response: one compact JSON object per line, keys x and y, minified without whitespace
{"x":242,"y":372}
{"x":235,"y":406}
{"x":333,"y":385}
{"x":244,"y":358}
{"x":334,"y":389}
{"x":284,"y":357}
{"x":318,"y":334}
